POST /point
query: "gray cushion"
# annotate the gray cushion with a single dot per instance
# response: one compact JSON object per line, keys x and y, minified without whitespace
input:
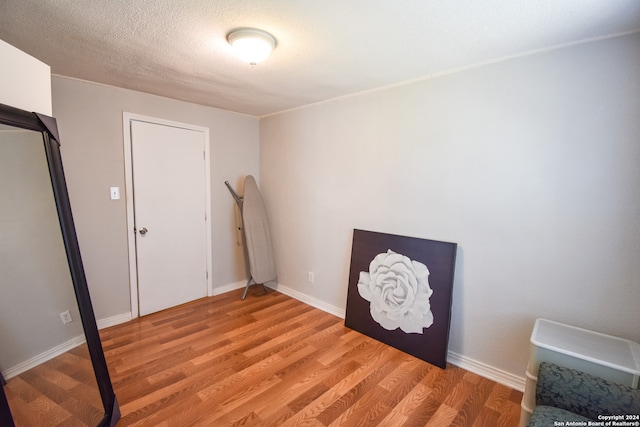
{"x":584,"y":394}
{"x":546,"y":416}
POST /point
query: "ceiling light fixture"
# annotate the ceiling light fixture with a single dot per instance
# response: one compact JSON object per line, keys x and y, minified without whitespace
{"x":251,"y":45}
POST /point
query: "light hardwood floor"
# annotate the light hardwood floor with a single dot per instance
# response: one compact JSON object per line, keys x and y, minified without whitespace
{"x":271,"y":360}
{"x":60,"y":392}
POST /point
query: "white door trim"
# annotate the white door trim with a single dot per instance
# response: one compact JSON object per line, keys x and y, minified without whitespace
{"x":127,"y":118}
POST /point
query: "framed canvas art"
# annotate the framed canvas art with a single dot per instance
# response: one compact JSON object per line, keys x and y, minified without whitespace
{"x":400,"y":292}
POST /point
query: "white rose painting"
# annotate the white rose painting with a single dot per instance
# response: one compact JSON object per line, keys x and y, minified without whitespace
{"x":398,"y":292}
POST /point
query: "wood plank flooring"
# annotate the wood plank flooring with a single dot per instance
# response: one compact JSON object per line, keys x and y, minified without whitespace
{"x":273,"y":361}
{"x":61,"y":391}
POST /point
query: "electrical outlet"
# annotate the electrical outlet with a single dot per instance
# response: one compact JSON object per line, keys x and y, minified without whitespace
{"x":114,"y":193}
{"x":311,"y":277}
{"x":66,"y":317}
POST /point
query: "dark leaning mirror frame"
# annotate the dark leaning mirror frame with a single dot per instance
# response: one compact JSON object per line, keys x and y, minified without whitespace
{"x":48,"y":127}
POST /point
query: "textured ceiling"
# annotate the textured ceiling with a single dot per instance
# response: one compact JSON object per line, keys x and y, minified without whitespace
{"x":326,"y":49}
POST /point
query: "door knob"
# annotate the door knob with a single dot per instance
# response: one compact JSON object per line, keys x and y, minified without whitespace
{"x":143,"y":230}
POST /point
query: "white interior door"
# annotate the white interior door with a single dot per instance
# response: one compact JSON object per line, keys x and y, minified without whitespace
{"x":168,"y":173}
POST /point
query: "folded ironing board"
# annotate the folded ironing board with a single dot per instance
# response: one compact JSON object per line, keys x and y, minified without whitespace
{"x":257,"y":233}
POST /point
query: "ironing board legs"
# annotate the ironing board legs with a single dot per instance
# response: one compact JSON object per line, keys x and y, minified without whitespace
{"x":246,"y":288}
{"x":249,"y":283}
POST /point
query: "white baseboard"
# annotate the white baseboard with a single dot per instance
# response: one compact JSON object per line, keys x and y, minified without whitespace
{"x":229,"y":287}
{"x":487,"y":371}
{"x":314,"y":302}
{"x":471,"y":365}
{"x":114,"y":320}
{"x":49,"y":354}
{"x":43,"y":357}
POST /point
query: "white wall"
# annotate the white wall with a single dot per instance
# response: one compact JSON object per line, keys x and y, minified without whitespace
{"x":530,"y":165}
{"x":90,"y":122}
{"x":26,"y":82}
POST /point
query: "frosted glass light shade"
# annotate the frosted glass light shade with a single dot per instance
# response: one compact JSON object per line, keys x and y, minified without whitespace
{"x":251,"y":45}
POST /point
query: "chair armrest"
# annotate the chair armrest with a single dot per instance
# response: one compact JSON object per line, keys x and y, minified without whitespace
{"x":584,"y":394}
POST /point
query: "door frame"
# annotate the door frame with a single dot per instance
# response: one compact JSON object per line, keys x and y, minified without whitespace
{"x":127,"y":118}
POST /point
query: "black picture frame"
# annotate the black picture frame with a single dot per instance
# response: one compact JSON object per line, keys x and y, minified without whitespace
{"x":47,"y":126}
{"x":428,"y":343}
